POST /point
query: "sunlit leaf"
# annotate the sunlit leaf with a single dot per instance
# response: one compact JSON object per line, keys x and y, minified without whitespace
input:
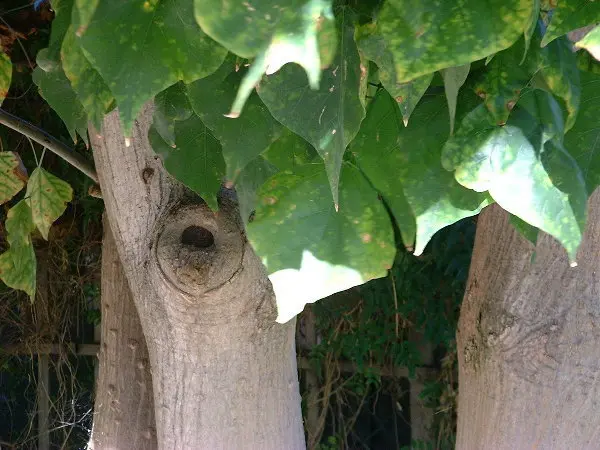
{"x":12,"y":175}
{"x":569,"y":15}
{"x":91,"y":90}
{"x":591,"y":42}
{"x":329,"y":117}
{"x":48,"y":197}
{"x":523,"y":166}
{"x":424,"y":37}
{"x":5,"y":75}
{"x":244,"y":138}
{"x":404,"y":165}
{"x":18,"y":263}
{"x":141,"y":47}
{"x":310,"y":250}
{"x":454,"y":78}
{"x":195,"y":160}
{"x":294,"y":41}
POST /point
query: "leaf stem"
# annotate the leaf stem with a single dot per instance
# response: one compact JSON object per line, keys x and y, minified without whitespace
{"x":48,"y":141}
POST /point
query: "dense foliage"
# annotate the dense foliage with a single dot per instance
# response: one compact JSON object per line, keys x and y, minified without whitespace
{"x":397,"y":112}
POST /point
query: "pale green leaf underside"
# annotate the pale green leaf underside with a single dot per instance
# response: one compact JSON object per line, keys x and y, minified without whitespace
{"x":48,"y":197}
{"x":504,"y":162}
{"x":403,"y":163}
{"x":141,"y":47}
{"x":591,"y":42}
{"x":5,"y":75}
{"x":310,"y":250}
{"x":12,"y":175}
{"x":424,"y":37}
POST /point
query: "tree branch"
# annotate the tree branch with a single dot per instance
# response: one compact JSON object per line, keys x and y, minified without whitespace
{"x":48,"y":141}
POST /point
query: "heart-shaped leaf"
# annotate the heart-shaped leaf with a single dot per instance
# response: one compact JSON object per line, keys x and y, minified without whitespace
{"x":329,"y":117}
{"x":141,"y":47}
{"x":309,"y":249}
{"x":48,"y":197}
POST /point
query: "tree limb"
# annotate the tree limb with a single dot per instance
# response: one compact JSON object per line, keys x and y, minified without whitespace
{"x":48,"y":141}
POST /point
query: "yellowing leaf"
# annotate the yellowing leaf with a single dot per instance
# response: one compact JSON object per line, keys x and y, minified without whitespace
{"x":12,"y":175}
{"x":591,"y":42}
{"x":5,"y":75}
{"x":48,"y":196}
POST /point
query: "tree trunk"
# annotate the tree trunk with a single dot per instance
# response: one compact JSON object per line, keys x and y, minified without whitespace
{"x":124,"y":408}
{"x":224,"y":372}
{"x":529,"y":341}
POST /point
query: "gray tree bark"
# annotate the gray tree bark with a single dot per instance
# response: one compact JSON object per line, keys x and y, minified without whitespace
{"x":124,"y":407}
{"x":529,"y":341}
{"x":224,"y":372}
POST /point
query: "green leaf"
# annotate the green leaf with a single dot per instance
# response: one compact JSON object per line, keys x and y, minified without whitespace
{"x":569,"y":15}
{"x":18,"y":264}
{"x":244,"y":138}
{"x":48,"y":197}
{"x":591,"y":42}
{"x":91,"y":90}
{"x":295,"y":40}
{"x":290,"y":151}
{"x":249,"y":182}
{"x":529,"y":232}
{"x":533,"y":19}
{"x":5,"y":75}
{"x":310,"y":250}
{"x":373,"y":46}
{"x":454,"y":78}
{"x":424,"y":37}
{"x":501,"y":84}
{"x":583,"y":140}
{"x":56,"y":89}
{"x":553,"y":68}
{"x":12,"y":175}
{"x":141,"y":47}
{"x":329,"y":117}
{"x":403,"y":163}
{"x":170,"y":105}
{"x":82,"y":14}
{"x":49,"y":59}
{"x":196,"y":159}
{"x":523,"y":166}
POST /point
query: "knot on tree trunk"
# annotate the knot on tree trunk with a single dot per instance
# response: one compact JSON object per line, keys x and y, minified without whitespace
{"x":199,"y":250}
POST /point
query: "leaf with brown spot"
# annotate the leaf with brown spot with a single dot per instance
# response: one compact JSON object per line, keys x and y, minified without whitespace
{"x":5,"y":75}
{"x":12,"y":175}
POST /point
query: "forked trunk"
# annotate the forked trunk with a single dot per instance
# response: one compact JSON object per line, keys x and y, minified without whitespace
{"x":224,"y":372}
{"x":529,"y":341}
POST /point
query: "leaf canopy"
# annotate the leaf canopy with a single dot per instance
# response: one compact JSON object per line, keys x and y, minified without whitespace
{"x":336,"y":121}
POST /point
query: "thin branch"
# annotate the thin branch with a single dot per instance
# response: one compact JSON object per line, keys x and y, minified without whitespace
{"x":48,"y":141}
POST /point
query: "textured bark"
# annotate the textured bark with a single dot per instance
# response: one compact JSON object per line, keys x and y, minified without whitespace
{"x":124,"y":408}
{"x":529,"y":341}
{"x":224,"y":372}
